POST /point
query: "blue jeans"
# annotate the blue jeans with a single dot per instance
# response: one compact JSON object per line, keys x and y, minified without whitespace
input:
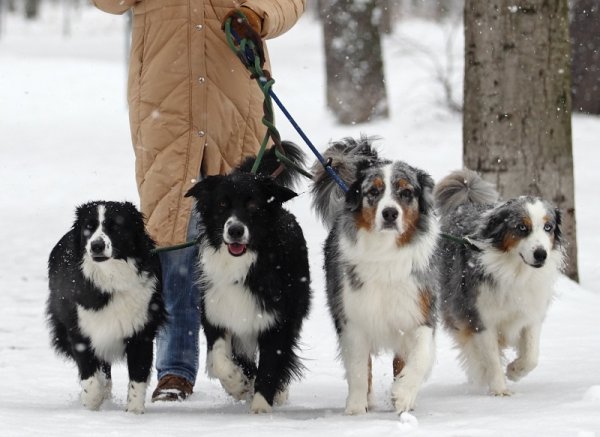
{"x":177,"y":348}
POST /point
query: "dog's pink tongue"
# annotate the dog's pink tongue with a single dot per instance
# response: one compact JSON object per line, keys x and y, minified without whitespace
{"x":237,"y":249}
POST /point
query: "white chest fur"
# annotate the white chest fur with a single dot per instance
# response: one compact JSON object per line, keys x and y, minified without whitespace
{"x":125,"y":314}
{"x":520,"y":297}
{"x":388,"y":304}
{"x":228,"y":302}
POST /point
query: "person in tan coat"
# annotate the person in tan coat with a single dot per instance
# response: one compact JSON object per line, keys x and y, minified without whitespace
{"x":194,"y":111}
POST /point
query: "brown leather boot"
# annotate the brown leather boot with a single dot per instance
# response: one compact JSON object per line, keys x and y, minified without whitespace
{"x":172,"y":388}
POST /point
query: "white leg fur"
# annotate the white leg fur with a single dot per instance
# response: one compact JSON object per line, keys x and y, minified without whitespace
{"x":355,"y":354}
{"x":483,"y":354}
{"x":136,"y":397}
{"x":281,"y":397}
{"x":416,"y":368}
{"x":220,"y":365}
{"x":94,"y":390}
{"x":528,"y":350}
{"x":260,"y":405}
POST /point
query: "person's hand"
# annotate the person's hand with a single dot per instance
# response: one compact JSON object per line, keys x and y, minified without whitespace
{"x":246,"y":24}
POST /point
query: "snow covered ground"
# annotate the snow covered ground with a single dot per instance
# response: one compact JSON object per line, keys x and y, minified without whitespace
{"x":64,"y":139}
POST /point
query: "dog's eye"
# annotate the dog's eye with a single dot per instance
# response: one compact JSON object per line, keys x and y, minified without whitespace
{"x":548,"y":227}
{"x":522,"y":228}
{"x":251,"y":205}
{"x":406,"y":194}
{"x":373,"y":192}
{"x":223,"y":203}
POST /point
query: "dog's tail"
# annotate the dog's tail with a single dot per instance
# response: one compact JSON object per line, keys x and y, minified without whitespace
{"x":347,"y":157}
{"x":460,"y":188}
{"x":270,"y":162}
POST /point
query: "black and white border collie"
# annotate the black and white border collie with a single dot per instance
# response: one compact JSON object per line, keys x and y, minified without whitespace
{"x":105,"y":299}
{"x":379,"y":268}
{"x":496,"y":290}
{"x":254,"y":279}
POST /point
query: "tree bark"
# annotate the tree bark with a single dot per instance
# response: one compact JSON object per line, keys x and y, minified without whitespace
{"x":585,"y":36}
{"x":31,"y":9}
{"x":517,"y":102}
{"x":354,"y":65}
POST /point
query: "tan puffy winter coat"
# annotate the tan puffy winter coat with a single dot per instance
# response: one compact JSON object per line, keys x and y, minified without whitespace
{"x":193,"y":108}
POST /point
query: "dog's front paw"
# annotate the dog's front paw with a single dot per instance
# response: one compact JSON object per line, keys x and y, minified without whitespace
{"x":404,"y":400}
{"x":236,"y":384}
{"x":500,"y":392}
{"x":404,"y":395}
{"x":93,"y":393}
{"x":136,"y":397}
{"x":518,"y":369}
{"x":260,"y":405}
{"x":281,"y":397}
{"x":356,"y":405}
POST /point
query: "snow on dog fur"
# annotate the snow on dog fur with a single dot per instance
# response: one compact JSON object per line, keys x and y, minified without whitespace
{"x":379,"y":267}
{"x":495,"y":294}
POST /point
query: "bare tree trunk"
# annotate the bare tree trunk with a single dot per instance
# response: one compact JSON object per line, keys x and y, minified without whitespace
{"x":32,"y":9}
{"x":585,"y":36}
{"x":517,"y":102}
{"x":355,"y":80}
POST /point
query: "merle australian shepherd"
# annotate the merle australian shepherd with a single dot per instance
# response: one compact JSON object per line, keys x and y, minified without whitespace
{"x":381,"y":286}
{"x":254,"y":279}
{"x":496,"y":289}
{"x":105,"y":299}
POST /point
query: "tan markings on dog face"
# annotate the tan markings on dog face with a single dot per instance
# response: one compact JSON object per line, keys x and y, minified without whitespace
{"x":511,"y":239}
{"x":410,"y":218}
{"x":378,"y":183}
{"x":397,"y":365}
{"x":365,"y":219}
{"x":403,"y":183}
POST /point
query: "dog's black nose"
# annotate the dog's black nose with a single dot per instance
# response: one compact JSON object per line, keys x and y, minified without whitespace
{"x":97,"y":246}
{"x":389,"y":214}
{"x":236,"y":231}
{"x":540,"y":255}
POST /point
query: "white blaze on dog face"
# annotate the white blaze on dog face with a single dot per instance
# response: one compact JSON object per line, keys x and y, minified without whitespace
{"x":235,"y":231}
{"x":389,"y":216}
{"x":98,"y":244}
{"x":536,"y":246}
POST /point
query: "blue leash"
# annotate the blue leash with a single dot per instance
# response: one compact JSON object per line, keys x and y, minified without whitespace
{"x":250,"y":55}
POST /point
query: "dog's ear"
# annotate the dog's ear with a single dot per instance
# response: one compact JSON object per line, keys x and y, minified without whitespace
{"x":558,"y":226}
{"x":495,"y":225}
{"x":278,"y":193}
{"x":426,"y":196}
{"x":354,"y":196}
{"x":201,"y":190}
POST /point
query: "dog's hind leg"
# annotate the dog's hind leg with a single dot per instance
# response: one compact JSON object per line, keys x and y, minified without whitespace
{"x":420,"y":346}
{"x":355,"y":351}
{"x":528,"y":350}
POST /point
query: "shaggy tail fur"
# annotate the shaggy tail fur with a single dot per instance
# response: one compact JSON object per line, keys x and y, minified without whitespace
{"x":269,"y":163}
{"x":462,"y":187}
{"x":347,"y":157}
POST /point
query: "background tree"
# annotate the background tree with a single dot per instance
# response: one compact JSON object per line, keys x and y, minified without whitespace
{"x":585,"y":36}
{"x":31,"y":9}
{"x":517,"y":102}
{"x":356,"y":90}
